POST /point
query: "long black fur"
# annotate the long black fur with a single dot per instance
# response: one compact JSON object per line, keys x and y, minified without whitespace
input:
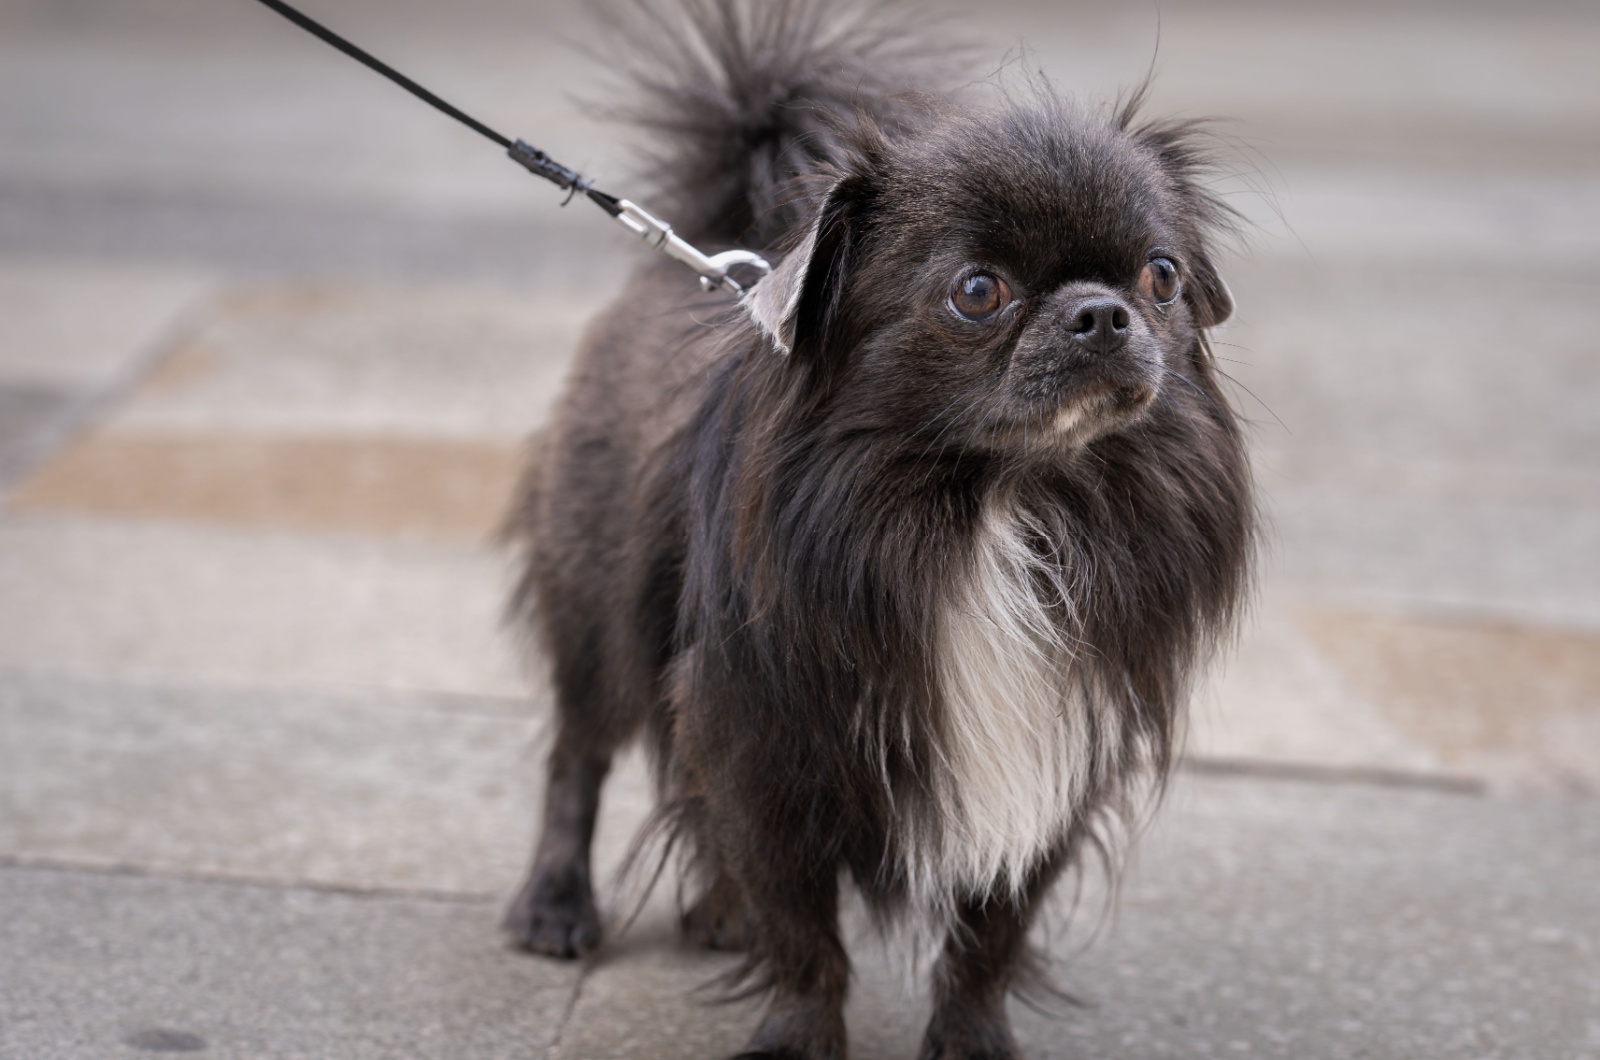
{"x":747,"y":530}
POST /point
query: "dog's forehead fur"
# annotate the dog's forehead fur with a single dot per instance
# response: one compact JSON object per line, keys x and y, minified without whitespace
{"x":1050,"y":192}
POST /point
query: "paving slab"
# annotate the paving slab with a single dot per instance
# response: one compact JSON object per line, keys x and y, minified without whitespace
{"x":237,"y":99}
{"x":1403,"y":460}
{"x":1434,"y":697}
{"x":410,"y":793}
{"x":341,"y":358}
{"x":1257,"y":919}
{"x":1370,"y":362}
{"x":415,"y":793}
{"x":1276,"y":698}
{"x":82,"y":326}
{"x":246,"y":237}
{"x":1496,"y":701}
{"x":75,"y":334}
{"x":1271,"y":919}
{"x":1532,"y":564}
{"x":155,"y":601}
{"x":329,"y":408}
{"x":119,"y":966}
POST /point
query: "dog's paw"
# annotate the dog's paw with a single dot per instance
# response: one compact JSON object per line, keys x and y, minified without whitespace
{"x":970,"y":1051}
{"x":982,"y":1053}
{"x":555,"y":914}
{"x":717,"y":921}
{"x":969,"y":1037}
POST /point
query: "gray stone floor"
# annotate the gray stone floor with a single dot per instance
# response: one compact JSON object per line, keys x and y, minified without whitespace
{"x":272,"y":339}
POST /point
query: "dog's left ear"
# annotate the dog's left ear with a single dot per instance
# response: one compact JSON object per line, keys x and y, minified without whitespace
{"x":797,"y":303}
{"x":1185,"y":152}
{"x":1207,"y":292}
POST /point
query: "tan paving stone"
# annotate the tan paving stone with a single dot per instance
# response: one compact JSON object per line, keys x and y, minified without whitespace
{"x":1277,"y":699}
{"x":447,"y":488}
{"x":1517,"y":704}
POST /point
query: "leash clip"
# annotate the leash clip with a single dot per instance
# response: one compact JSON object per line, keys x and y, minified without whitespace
{"x":713,"y":269}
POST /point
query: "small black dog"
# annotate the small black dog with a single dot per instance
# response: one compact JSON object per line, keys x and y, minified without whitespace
{"x":905,"y":561}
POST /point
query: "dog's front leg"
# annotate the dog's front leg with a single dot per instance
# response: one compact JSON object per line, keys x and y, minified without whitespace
{"x":971,"y":981}
{"x":985,"y":949}
{"x":792,"y":899}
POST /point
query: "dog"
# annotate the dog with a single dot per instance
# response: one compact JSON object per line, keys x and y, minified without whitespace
{"x":901,"y":564}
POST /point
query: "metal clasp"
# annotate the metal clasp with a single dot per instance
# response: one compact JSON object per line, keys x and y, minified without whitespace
{"x":713,"y":269}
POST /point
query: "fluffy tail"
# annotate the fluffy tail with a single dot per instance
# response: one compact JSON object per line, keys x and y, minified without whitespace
{"x":744,"y":100}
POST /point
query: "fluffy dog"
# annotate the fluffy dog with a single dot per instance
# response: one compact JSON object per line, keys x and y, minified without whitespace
{"x":902,"y":563}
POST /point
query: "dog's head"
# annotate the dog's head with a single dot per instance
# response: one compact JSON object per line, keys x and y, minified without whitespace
{"x":1021,"y":279}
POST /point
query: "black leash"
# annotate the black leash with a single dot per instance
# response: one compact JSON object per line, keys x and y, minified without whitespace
{"x":713,"y":269}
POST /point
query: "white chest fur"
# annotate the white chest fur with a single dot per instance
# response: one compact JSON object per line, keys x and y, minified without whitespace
{"x":1020,"y":742}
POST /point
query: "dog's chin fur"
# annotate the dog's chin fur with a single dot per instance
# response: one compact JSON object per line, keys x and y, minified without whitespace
{"x":895,"y":593}
{"x":1078,"y":422}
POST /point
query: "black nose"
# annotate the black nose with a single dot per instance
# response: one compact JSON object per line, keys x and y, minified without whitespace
{"x":1101,"y":325}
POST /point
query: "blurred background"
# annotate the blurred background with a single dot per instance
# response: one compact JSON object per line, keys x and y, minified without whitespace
{"x":273,"y":335}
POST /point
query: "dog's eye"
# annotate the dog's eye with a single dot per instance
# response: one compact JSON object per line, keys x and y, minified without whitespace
{"x":979,"y":296}
{"x":1159,"y":281}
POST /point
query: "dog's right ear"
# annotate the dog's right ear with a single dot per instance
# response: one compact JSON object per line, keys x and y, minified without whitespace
{"x":798,"y":303}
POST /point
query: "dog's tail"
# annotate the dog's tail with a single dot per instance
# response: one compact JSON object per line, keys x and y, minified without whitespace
{"x":745,"y":101}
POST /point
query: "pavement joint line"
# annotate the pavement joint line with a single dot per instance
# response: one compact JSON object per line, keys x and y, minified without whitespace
{"x":27,"y":863}
{"x":1310,"y":773}
{"x":588,"y":967}
{"x":85,"y":411}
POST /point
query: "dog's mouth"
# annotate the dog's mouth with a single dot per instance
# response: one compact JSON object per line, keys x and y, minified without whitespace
{"x":1066,"y":406}
{"x":1100,"y":402}
{"x":1071,"y":421}
{"x":1093,"y":409}
{"x":1063,"y":394}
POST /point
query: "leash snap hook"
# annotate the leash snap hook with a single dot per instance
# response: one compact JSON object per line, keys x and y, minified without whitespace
{"x":713,"y":269}
{"x":727,"y":259}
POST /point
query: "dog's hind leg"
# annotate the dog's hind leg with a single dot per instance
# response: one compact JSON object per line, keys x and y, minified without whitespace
{"x":717,"y":919}
{"x":554,"y":913}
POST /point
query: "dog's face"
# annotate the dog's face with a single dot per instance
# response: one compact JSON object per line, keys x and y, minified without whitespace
{"x":1023,"y":280}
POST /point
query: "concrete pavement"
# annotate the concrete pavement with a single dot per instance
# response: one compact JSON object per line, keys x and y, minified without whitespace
{"x":272,"y":340}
